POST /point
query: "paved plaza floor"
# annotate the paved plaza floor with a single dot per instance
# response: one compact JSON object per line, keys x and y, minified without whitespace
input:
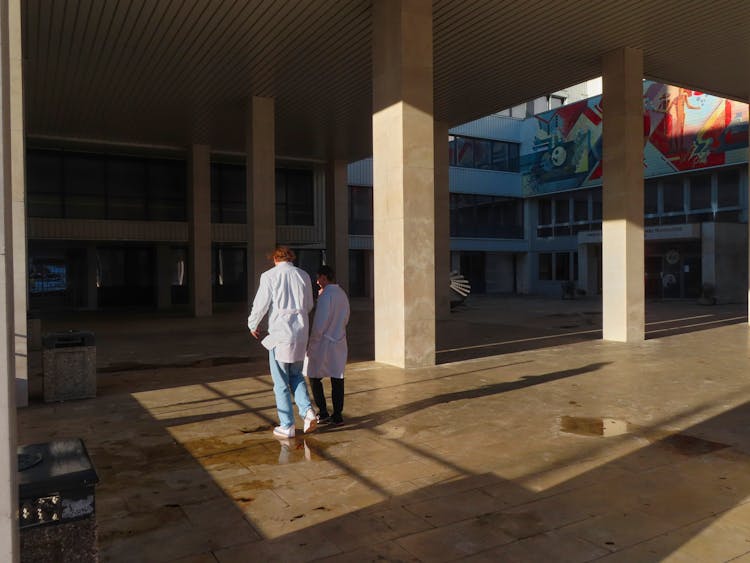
{"x":531,"y":440}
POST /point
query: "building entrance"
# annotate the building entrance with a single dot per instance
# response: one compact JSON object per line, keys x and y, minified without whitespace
{"x":673,"y":270}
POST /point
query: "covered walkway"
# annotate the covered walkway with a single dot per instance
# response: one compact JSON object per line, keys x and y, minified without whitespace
{"x":571,"y":448}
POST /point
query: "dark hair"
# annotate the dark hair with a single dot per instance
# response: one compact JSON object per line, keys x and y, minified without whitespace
{"x":328,"y":272}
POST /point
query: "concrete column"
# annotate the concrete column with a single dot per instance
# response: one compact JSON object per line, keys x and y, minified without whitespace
{"x":403,"y":183}
{"x":623,"y":307}
{"x":583,"y":268}
{"x":200,"y":230}
{"x":261,"y":189}
{"x":17,"y":154}
{"x":442,"y":222}
{"x":337,"y":220}
{"x":92,"y":291}
{"x":10,"y":41}
{"x":164,"y":276}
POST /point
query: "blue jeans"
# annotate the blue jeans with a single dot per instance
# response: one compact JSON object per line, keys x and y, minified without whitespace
{"x":285,"y":376}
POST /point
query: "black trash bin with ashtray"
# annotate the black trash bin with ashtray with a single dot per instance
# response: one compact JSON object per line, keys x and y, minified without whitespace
{"x":56,"y":502}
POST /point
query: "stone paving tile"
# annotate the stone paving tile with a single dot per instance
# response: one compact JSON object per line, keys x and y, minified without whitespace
{"x":454,"y":508}
{"x":306,"y":546}
{"x":549,"y":546}
{"x":449,"y":543}
{"x":618,"y":529}
{"x":463,"y":460}
{"x":385,"y":551}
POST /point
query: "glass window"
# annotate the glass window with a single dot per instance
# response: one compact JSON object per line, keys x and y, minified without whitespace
{"x":360,"y":210}
{"x":294,"y":197}
{"x":700,"y":191}
{"x":544,"y":207}
{"x":473,"y":215}
{"x":556,"y":101}
{"x":464,"y":152}
{"x":672,"y":195}
{"x":228,"y":193}
{"x":83,"y":180}
{"x":44,"y":184}
{"x":580,"y":206}
{"x":126,"y":189}
{"x":514,"y":159}
{"x":562,"y":210}
{"x":452,"y":150}
{"x":545,"y":265}
{"x":596,"y":204}
{"x":505,"y":156}
{"x":167,"y":189}
{"x":728,"y":193}
{"x":101,"y":186}
{"x":500,"y":160}
{"x":482,"y":154}
{"x":651,"y":197}
{"x":562,"y":266}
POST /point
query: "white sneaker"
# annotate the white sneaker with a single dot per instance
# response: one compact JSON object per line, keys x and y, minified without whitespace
{"x":311,"y":421}
{"x":284,"y":431}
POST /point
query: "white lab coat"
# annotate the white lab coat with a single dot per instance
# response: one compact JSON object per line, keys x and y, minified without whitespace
{"x":285,"y":292}
{"x":327,"y":352}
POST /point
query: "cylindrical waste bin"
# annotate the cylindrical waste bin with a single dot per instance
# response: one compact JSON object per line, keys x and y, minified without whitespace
{"x":69,"y":365}
{"x":56,"y":511}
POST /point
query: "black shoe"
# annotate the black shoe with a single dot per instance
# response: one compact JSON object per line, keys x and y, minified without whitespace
{"x":337,"y":419}
{"x":324,"y":418}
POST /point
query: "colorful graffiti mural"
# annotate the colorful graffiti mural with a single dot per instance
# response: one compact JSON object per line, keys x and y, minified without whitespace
{"x":682,"y":130}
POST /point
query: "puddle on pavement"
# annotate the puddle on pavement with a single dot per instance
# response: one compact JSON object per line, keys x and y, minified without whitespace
{"x":272,"y":451}
{"x":203,"y":363}
{"x":584,"y":426}
{"x":679,"y":443}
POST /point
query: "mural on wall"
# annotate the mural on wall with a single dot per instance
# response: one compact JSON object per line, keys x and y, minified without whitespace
{"x":682,"y":130}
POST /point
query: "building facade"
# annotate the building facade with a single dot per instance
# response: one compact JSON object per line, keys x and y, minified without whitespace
{"x":526,"y":197}
{"x":108,"y":227}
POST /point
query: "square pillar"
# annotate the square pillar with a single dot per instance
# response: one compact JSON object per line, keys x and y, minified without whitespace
{"x":337,"y":221}
{"x":200,"y":230}
{"x":623,"y":305}
{"x":92,"y":273}
{"x":10,"y":94}
{"x":261,"y":189}
{"x":442,"y":223}
{"x":164,"y":276}
{"x":403,"y":183}
{"x":17,"y":155}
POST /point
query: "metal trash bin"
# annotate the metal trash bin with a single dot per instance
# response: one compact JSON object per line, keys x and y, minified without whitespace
{"x":69,"y":365}
{"x":56,"y":502}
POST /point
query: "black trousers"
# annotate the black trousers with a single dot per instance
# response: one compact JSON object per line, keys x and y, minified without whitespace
{"x":337,"y":396}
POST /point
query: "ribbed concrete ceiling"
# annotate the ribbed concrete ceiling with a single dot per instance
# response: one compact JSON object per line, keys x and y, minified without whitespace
{"x":175,"y":72}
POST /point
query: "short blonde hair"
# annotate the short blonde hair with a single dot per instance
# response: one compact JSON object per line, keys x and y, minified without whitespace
{"x":283,"y":254}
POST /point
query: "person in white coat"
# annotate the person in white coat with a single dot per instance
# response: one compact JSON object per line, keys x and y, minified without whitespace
{"x":327,"y":351}
{"x":285,"y":293}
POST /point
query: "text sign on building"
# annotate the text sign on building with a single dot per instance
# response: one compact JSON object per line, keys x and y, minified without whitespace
{"x":662,"y":232}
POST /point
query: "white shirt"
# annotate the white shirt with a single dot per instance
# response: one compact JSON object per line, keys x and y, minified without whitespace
{"x":327,"y":352}
{"x":285,"y":292}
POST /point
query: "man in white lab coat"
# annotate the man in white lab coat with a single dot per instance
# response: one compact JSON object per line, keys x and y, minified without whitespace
{"x":285,"y":293}
{"x":327,"y":351}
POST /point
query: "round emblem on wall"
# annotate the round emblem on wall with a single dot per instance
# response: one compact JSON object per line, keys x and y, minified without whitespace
{"x":558,"y":155}
{"x":673,"y":257}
